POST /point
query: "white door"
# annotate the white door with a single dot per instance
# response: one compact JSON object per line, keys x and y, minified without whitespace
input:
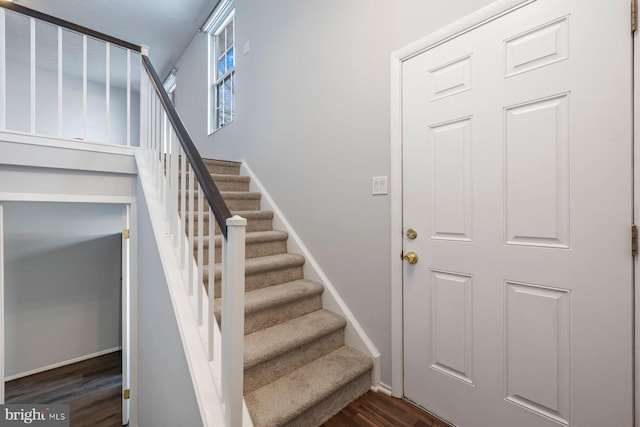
{"x":517,"y":164}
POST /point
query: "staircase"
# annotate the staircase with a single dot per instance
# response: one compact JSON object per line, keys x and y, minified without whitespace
{"x":297,"y":369}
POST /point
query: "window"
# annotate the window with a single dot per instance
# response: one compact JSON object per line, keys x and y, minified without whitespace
{"x":170,"y":84}
{"x":222,"y":66}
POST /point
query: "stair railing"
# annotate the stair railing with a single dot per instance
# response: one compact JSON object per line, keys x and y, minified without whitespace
{"x":62,"y":80}
{"x":181,"y":179}
{"x":184,"y":182}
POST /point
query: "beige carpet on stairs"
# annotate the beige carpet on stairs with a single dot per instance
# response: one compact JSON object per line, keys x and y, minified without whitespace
{"x":298,"y":370}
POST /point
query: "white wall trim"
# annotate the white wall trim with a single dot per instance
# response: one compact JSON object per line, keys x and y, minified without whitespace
{"x":636,"y":219}
{"x":64,"y":198}
{"x":382,"y":388}
{"x":355,"y":335}
{"x":456,"y":29}
{"x":63,"y":363}
{"x":51,"y":141}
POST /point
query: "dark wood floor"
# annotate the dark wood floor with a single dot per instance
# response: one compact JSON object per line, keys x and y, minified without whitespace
{"x":91,"y":389}
{"x":380,"y":410}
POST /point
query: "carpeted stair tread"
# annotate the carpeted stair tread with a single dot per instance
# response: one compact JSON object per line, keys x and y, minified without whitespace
{"x":275,"y":295}
{"x":267,"y":263}
{"x":279,"y":339}
{"x":256,"y":220}
{"x":224,"y":182}
{"x":258,"y":244}
{"x":251,"y":237}
{"x":235,"y":200}
{"x":235,"y":195}
{"x":231,"y":195}
{"x":290,"y":396}
{"x":266,"y":307}
{"x":264,"y":298}
{"x":230,"y":178}
{"x":222,"y":166}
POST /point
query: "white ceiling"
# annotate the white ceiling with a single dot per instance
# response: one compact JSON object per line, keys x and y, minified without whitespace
{"x":165,"y":26}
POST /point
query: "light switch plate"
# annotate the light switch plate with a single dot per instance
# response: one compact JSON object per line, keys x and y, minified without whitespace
{"x":379,"y":185}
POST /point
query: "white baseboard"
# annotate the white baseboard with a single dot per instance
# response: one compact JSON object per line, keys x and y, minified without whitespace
{"x":61,"y":364}
{"x":382,"y":388}
{"x":355,"y":336}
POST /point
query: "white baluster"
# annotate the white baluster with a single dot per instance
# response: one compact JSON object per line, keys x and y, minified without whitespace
{"x":129,"y":97}
{"x":32,"y":116}
{"x":107,"y":58}
{"x":173,"y":205}
{"x":183,"y":206}
{"x":211,"y":285}
{"x":200,"y":284}
{"x":60,"y":75}
{"x":163,"y":159}
{"x":85,"y":96}
{"x":190,"y":192}
{"x":3,"y":71}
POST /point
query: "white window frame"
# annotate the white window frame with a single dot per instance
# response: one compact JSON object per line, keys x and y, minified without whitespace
{"x":214,"y":26}
{"x":170,"y":84}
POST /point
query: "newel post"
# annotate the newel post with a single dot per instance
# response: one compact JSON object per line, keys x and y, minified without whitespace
{"x":233,"y":319}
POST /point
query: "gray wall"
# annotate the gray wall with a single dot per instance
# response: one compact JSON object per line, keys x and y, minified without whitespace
{"x":62,"y":282}
{"x":312,"y":120}
{"x":165,"y":391}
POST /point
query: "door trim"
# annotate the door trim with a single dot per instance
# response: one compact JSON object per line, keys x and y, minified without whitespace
{"x":456,"y":29}
{"x":128,"y":203}
{"x":636,"y":219}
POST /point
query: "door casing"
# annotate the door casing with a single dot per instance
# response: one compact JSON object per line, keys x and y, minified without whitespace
{"x":129,"y":220}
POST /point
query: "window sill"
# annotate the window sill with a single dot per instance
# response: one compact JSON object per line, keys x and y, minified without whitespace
{"x":212,"y":132}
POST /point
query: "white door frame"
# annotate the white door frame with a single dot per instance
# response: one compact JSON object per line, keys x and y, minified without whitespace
{"x":636,"y":217}
{"x":130,"y":216}
{"x":462,"y":26}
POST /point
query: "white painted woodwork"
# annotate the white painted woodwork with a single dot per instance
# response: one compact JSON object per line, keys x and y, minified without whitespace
{"x":32,"y":75}
{"x":2,"y":314}
{"x":451,"y":334}
{"x":107,"y":88}
{"x":3,"y":71}
{"x":517,"y":173}
{"x":212,"y":324}
{"x":126,"y":315}
{"x":59,"y":81}
{"x":548,"y":391}
{"x":537,"y":172}
{"x":451,"y":177}
{"x":233,"y":319}
{"x":537,"y":47}
{"x":85,"y":93}
{"x":451,"y":78}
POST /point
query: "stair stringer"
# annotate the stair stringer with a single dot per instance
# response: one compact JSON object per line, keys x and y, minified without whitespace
{"x":354,"y":335}
{"x":202,"y":378}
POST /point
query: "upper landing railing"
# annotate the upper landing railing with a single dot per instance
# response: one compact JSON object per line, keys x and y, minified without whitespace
{"x":61,"y":80}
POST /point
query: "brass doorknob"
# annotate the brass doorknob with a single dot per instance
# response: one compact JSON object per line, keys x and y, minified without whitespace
{"x":411,"y":233}
{"x":411,"y":258}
